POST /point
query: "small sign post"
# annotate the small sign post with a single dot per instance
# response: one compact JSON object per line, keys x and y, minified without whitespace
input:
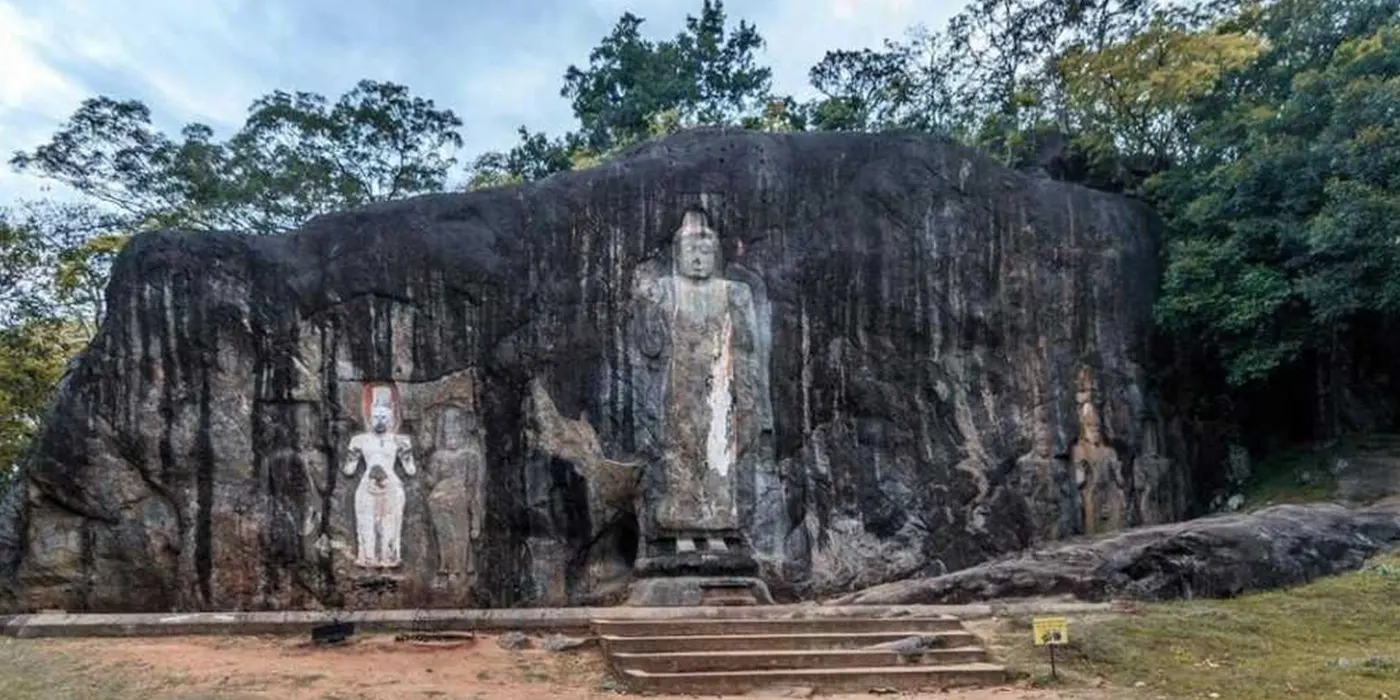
{"x":1051,"y":632}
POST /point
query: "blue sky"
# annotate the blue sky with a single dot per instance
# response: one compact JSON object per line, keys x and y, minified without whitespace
{"x":497,"y":64}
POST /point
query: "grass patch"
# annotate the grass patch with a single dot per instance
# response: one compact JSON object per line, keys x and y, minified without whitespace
{"x":1304,"y":473}
{"x":1337,"y":635}
{"x":1298,"y":475}
{"x":33,"y":670}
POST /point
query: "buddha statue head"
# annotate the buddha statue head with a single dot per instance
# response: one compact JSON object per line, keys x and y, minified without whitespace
{"x":696,"y":246}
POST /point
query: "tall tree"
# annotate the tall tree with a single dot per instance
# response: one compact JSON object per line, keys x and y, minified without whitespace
{"x":1286,"y":219}
{"x":56,"y":258}
{"x":297,"y":155}
{"x":707,"y":74}
{"x":1134,"y":98}
{"x":535,"y":157}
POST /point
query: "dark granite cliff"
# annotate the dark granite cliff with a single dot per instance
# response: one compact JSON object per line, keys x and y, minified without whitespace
{"x":950,"y":362}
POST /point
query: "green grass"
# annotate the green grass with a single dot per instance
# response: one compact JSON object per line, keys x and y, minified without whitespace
{"x":1337,"y":635}
{"x":38,"y":670}
{"x":1299,"y":475}
{"x":1303,"y":474}
{"x":32,"y":670}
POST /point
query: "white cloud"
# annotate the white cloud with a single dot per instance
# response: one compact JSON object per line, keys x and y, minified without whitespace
{"x":27,"y":80}
{"x":849,"y":9}
{"x":799,"y":38}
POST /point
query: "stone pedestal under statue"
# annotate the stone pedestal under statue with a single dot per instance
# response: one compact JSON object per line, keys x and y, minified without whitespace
{"x":708,"y":569}
{"x":702,"y":409}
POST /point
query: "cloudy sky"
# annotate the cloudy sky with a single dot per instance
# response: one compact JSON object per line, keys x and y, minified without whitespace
{"x":497,"y":63}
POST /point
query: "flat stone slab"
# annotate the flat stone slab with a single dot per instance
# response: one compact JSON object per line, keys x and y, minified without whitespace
{"x":576,"y":621}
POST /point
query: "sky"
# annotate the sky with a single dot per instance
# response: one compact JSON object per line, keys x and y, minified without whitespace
{"x":497,"y":64}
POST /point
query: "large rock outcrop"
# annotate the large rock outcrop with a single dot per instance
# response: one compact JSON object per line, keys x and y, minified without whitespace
{"x":928,"y":360}
{"x":1215,"y":557}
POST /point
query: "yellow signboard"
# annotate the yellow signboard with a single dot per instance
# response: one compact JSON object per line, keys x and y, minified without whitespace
{"x":1050,"y":630}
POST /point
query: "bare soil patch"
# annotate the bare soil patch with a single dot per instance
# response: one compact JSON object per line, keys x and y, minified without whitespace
{"x":375,"y":667}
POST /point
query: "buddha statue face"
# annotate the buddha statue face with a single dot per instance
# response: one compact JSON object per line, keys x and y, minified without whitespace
{"x":452,"y":426}
{"x":697,"y":247}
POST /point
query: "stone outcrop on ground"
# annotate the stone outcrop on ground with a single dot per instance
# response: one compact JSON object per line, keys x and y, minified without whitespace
{"x":457,"y":399}
{"x":1215,"y":557}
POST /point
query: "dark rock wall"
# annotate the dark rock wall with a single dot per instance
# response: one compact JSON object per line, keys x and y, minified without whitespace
{"x":954,"y":366}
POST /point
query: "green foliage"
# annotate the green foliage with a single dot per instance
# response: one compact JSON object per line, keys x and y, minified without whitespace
{"x":296,"y":156}
{"x":57,"y":258}
{"x":534,"y":158}
{"x":1285,"y":221}
{"x":706,"y":73}
{"x":1138,"y":93}
{"x":33,"y":355}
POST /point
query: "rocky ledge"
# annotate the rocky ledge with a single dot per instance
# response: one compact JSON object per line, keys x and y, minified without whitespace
{"x":1215,"y":557}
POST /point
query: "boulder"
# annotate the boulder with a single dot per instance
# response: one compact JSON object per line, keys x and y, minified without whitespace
{"x":460,"y":400}
{"x":1213,"y":557}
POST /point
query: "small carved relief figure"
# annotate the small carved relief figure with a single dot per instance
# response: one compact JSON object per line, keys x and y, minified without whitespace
{"x":379,"y":498}
{"x":1097,"y":468}
{"x":1050,"y":486}
{"x":454,"y":500}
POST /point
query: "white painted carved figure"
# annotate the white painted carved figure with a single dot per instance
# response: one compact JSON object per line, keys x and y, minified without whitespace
{"x":379,"y":498}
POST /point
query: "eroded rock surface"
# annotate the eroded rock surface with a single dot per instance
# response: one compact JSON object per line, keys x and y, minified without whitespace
{"x":1215,"y":557}
{"x":912,"y":360}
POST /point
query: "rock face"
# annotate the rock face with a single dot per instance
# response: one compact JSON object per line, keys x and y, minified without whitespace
{"x":900,"y":359}
{"x":1216,"y":557}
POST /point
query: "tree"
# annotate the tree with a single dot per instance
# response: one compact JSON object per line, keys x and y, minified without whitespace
{"x":296,"y":156}
{"x":706,"y":74}
{"x":862,"y":89}
{"x":33,"y":357}
{"x":534,"y":158}
{"x":1285,"y":223}
{"x":56,"y":258}
{"x":1134,"y":97}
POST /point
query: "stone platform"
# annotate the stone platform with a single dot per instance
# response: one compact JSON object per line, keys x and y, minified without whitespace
{"x":576,"y":621}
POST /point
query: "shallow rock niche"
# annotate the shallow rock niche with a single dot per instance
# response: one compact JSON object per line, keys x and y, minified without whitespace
{"x":824,"y":361}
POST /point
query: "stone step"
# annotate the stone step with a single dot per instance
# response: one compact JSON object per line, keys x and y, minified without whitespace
{"x":821,"y":680}
{"x":675,"y":628}
{"x":692,"y":661}
{"x":758,"y":642}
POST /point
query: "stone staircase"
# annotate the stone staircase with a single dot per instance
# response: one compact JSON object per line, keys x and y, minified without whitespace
{"x":826,"y":654}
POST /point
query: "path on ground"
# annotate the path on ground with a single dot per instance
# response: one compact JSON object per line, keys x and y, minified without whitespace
{"x":375,"y":667}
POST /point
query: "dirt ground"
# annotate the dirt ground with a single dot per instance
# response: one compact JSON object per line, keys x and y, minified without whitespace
{"x":374,"y":667}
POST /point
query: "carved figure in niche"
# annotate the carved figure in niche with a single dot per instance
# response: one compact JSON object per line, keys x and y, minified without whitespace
{"x":379,"y":498}
{"x":698,"y":391}
{"x":1050,"y":487}
{"x":455,"y":479}
{"x":1097,"y":469}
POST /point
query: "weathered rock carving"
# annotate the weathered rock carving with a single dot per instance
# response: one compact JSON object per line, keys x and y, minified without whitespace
{"x":454,"y":491}
{"x":379,"y":498}
{"x":701,"y":404}
{"x":862,"y":359}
